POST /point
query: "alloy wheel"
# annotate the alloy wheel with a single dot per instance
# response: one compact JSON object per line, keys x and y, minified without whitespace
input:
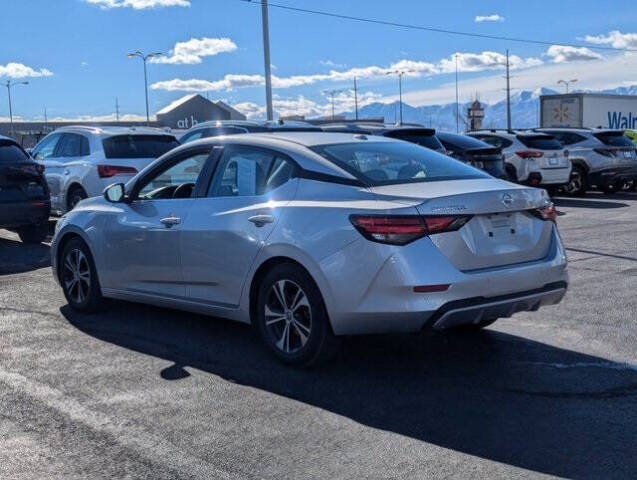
{"x":77,"y":276}
{"x":288,"y":316}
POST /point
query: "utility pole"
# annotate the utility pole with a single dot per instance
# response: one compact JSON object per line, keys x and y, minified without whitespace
{"x":46,"y":120}
{"x":10,"y":84}
{"x":144,"y":59}
{"x":508,"y":94}
{"x":355,"y":99}
{"x":266,"y":59}
{"x":116,"y":109}
{"x":457,"y":105}
{"x":331,"y":93}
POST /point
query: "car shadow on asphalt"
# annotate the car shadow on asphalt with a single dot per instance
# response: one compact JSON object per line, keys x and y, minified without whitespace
{"x":488,"y":394}
{"x":18,"y":257}
{"x":587,"y":203}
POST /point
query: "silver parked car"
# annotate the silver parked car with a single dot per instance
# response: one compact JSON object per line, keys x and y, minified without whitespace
{"x":311,"y":236}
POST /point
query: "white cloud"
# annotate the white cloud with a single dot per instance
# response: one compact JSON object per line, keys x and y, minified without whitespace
{"x":330,"y":63}
{"x":476,"y":62}
{"x":19,"y":70}
{"x":615,"y":39}
{"x":228,"y":82}
{"x":562,"y":53}
{"x":488,"y":18}
{"x":191,"y":51}
{"x":138,"y":4}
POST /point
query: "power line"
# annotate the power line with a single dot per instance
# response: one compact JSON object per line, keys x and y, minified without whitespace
{"x":436,"y":30}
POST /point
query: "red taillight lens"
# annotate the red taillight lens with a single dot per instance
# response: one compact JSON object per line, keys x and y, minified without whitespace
{"x":106,"y":171}
{"x":546,"y":213}
{"x":529,"y":154}
{"x":400,"y":230}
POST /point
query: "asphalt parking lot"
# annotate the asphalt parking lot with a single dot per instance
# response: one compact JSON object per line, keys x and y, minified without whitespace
{"x":141,"y":392}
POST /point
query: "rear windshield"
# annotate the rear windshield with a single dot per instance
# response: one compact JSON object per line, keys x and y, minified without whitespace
{"x":461,"y":142}
{"x":429,"y":141}
{"x":10,"y":152}
{"x":614,"y":139}
{"x":138,"y":146}
{"x":541,"y":142}
{"x":387,"y":163}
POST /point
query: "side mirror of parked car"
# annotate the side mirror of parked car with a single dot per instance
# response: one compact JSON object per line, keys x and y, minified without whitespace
{"x":115,"y":193}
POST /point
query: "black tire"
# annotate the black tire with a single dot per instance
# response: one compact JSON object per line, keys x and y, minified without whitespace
{"x":75,"y":196}
{"x":80,"y":285}
{"x":578,"y":183}
{"x":34,"y":233}
{"x":307,"y":319}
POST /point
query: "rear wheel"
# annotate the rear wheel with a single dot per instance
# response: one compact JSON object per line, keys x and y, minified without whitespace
{"x":75,"y":196}
{"x":34,"y":233}
{"x":78,"y":277}
{"x":578,"y":183}
{"x":292,"y":319}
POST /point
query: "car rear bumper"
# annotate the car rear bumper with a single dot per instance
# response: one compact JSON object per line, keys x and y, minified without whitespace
{"x":612,"y":175}
{"x":374,"y":293}
{"x":473,"y":311}
{"x":14,"y":215}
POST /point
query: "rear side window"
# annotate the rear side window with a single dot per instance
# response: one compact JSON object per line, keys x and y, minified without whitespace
{"x":541,"y":142}
{"x":73,"y":145}
{"x":46,"y":148}
{"x":138,"y":146}
{"x":614,"y":139}
{"x":242,"y":172}
{"x":387,"y":163}
{"x":10,"y":152}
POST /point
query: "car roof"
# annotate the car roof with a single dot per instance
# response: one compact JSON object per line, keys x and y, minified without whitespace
{"x":377,"y":128}
{"x":579,"y":130}
{"x":510,"y":133}
{"x":306,"y":139}
{"x":264,"y":124}
{"x":110,"y":131}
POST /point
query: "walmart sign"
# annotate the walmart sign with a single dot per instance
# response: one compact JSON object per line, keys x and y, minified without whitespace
{"x":621,"y":121}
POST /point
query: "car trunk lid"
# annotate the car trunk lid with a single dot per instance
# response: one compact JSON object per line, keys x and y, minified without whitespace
{"x":502,"y":229}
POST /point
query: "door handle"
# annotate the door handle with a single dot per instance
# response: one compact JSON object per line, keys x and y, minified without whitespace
{"x":170,"y":221}
{"x":261,"y":220}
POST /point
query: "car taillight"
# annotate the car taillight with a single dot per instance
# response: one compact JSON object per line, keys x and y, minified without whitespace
{"x":546,"y":213}
{"x":402,"y":229}
{"x":529,"y":154}
{"x":106,"y":171}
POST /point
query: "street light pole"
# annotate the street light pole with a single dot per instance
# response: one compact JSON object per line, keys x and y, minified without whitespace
{"x":355,"y":99}
{"x":457,"y":105}
{"x":331,"y":93}
{"x":400,"y":74}
{"x":567,"y":83}
{"x":266,"y":59}
{"x":144,"y":59}
{"x":10,"y":84}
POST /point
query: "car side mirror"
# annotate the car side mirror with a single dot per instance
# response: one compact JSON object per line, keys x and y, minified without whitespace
{"x":115,"y":193}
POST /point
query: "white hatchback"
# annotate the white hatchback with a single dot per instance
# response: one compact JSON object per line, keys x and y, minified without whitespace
{"x":81,"y":161}
{"x":530,"y":158}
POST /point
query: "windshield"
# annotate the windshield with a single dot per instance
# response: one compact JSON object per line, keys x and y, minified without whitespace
{"x":386,"y":163}
{"x":138,"y":146}
{"x":10,"y":152}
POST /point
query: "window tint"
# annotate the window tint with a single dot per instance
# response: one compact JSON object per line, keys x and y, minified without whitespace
{"x":72,"y":145}
{"x":194,"y":135}
{"x":541,"y":142}
{"x":498,"y":142}
{"x":393,"y":162}
{"x":567,"y":138}
{"x":280,"y":172}
{"x":46,"y":147}
{"x":138,"y":146}
{"x":10,"y":152}
{"x":241,"y":172}
{"x":186,"y":171}
{"x":459,"y":142}
{"x":614,"y":139}
{"x":429,"y":141}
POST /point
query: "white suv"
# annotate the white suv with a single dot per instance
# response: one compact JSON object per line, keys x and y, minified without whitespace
{"x":81,"y":161}
{"x":530,"y":158}
{"x":601,"y":157}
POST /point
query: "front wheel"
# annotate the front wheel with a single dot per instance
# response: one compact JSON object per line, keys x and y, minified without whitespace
{"x":34,"y":233}
{"x":78,"y":277}
{"x":292,"y":319}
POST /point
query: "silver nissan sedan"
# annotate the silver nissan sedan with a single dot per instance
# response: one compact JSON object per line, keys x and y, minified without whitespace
{"x":312,"y":236}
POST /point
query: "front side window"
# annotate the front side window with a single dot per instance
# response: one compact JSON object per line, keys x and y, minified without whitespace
{"x":248,"y":172}
{"x":46,"y":148}
{"x":183,"y":176}
{"x":387,"y":163}
{"x":138,"y":146}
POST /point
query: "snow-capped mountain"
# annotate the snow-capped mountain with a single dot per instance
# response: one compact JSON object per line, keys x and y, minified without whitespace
{"x":525,"y":106}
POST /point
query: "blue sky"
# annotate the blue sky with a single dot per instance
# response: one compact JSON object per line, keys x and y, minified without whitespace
{"x":73,"y":52}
